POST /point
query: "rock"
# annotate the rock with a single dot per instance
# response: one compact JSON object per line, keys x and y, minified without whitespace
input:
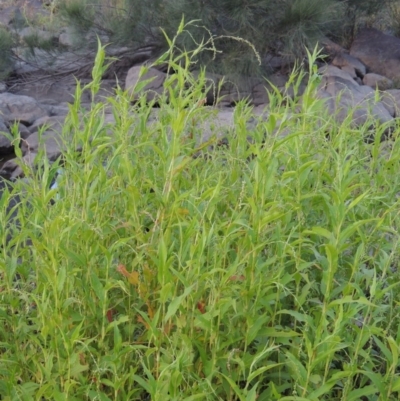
{"x":377,"y":81}
{"x":24,"y":109}
{"x":260,"y":95}
{"x":275,"y":62}
{"x":332,"y":71}
{"x":9,"y":15}
{"x":378,"y":51}
{"x":391,"y":100}
{"x":49,"y":140}
{"x":5,"y":144}
{"x":23,"y":131}
{"x":348,"y":69}
{"x":230,"y":94}
{"x":331,"y":48}
{"x":346,"y":61}
{"x":67,"y":38}
{"x":153,"y":89}
{"x":290,"y":91}
{"x":51,"y":91}
{"x":22,"y":67}
{"x":55,"y":123}
{"x":218,"y":122}
{"x":3,"y":87}
{"x":60,"y":109}
{"x":342,"y":95}
{"x":358,"y":80}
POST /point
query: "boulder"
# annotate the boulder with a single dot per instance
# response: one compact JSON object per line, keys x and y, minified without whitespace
{"x":331,"y":48}
{"x":51,"y":91}
{"x":336,"y":79}
{"x":9,"y":15}
{"x":67,"y":38}
{"x":50,"y":141}
{"x":342,"y":95}
{"x":348,"y":69}
{"x":23,"y":131}
{"x":55,"y":123}
{"x":60,"y":109}
{"x":229,"y":94}
{"x":218,"y":122}
{"x":391,"y":100}
{"x":346,"y":61}
{"x":24,"y":109}
{"x":377,"y":81}
{"x":153,"y":89}
{"x":273,"y":62}
{"x":378,"y":51}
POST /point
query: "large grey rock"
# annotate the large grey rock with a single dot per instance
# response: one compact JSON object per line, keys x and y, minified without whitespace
{"x":331,"y":48}
{"x":153,"y":89}
{"x":23,"y":131}
{"x":60,"y":109}
{"x":54,"y":123}
{"x":334,"y":75}
{"x":9,"y":15}
{"x":391,"y":100}
{"x":24,"y":109}
{"x":50,"y":141}
{"x":344,"y":60}
{"x":378,"y":51}
{"x":51,"y":91}
{"x":344,"y":96}
{"x":377,"y":81}
{"x":219,"y":122}
{"x":68,"y":37}
{"x":350,"y":70}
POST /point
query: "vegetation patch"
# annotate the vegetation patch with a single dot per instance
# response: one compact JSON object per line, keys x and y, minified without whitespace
{"x":268,"y":270}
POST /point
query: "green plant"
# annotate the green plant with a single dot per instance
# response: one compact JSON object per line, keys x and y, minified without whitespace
{"x":267,"y":270}
{"x":274,"y":26}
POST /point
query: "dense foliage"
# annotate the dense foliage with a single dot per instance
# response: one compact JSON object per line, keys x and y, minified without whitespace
{"x":282,"y":27}
{"x":160,"y":270}
{"x":244,"y":32}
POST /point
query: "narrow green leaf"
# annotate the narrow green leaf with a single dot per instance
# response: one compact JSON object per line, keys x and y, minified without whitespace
{"x":176,"y":303}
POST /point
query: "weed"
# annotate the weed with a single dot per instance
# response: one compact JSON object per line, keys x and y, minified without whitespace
{"x":268,"y":271}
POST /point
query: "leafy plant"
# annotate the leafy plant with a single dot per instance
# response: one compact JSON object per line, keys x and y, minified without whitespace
{"x":265,"y":270}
